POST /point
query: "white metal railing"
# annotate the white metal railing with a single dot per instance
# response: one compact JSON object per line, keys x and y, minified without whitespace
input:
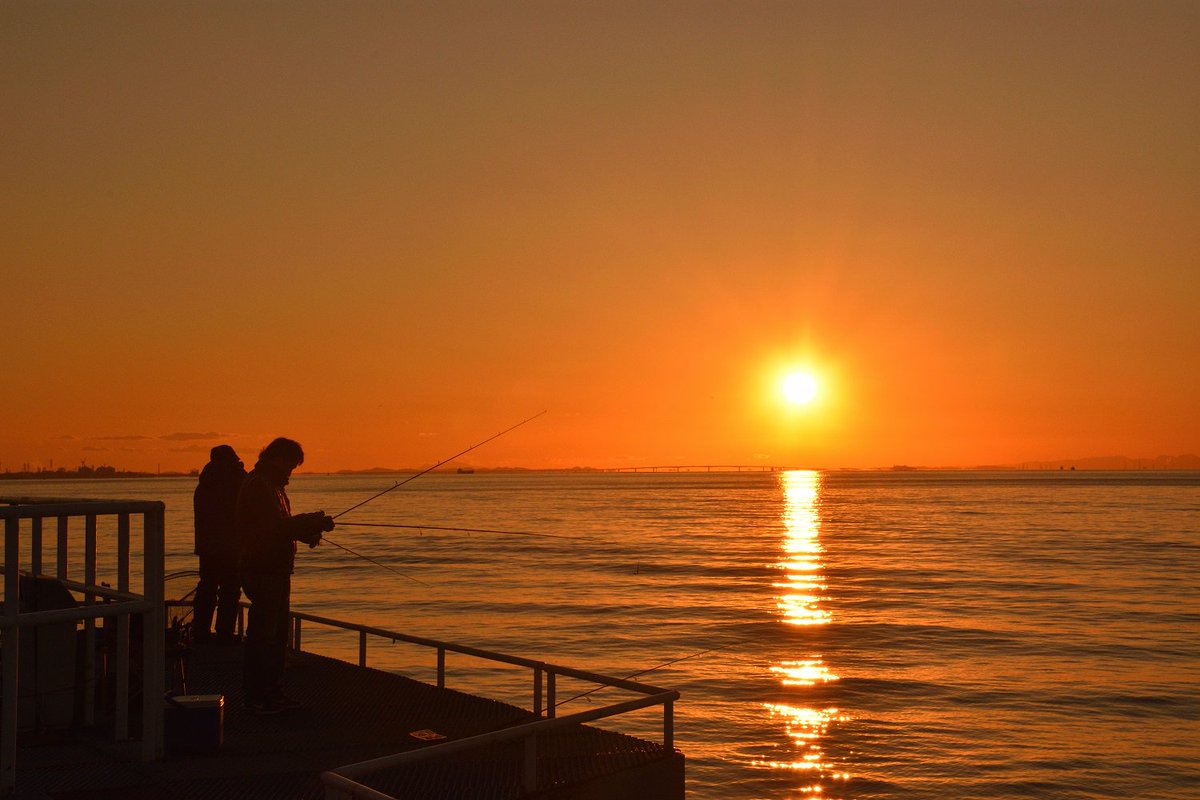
{"x":341,"y":784}
{"x":28,"y":516}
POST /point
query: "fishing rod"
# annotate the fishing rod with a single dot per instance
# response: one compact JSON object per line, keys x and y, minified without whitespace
{"x":447,"y":528}
{"x":398,"y":484}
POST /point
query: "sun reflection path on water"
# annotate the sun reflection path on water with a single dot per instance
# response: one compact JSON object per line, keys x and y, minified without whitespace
{"x":801,"y":591}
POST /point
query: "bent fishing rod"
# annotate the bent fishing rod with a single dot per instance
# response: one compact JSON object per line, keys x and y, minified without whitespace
{"x":398,"y":484}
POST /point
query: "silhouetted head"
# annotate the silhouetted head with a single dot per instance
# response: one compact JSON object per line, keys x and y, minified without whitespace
{"x":280,"y":457}
{"x":223,"y":453}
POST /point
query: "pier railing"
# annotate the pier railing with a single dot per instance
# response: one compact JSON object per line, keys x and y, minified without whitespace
{"x":343,"y":783}
{"x":27,"y":517}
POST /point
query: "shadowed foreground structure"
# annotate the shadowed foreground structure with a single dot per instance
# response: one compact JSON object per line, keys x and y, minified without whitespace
{"x":350,"y":714}
{"x":84,"y":714}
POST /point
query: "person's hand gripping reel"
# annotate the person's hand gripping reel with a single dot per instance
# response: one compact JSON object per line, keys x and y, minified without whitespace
{"x":317,"y":522}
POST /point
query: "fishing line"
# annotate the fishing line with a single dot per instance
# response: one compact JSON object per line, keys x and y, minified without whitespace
{"x":446,"y":528}
{"x":636,"y":674}
{"x":654,"y":668}
{"x":373,"y":561}
{"x":185,"y":573}
{"x":191,"y":607}
{"x":398,"y":484}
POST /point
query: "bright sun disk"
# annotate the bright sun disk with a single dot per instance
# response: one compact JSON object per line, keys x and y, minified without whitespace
{"x":800,"y":388}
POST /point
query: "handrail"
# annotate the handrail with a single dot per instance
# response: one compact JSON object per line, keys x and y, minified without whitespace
{"x":340,"y":783}
{"x":338,"y":787}
{"x":30,"y":507}
{"x":29,"y":619}
{"x":519,"y":661}
{"x":79,"y":587}
{"x":504,"y":734}
{"x":72,"y":559}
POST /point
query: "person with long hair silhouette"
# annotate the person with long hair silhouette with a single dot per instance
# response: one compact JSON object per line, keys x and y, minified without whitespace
{"x":268,"y":532}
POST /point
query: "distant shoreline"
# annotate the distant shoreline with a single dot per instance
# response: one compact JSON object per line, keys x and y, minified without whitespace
{"x":110,"y":473}
{"x":100,"y":473}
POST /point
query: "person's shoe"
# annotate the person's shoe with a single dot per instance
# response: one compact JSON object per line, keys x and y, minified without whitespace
{"x":284,"y":702}
{"x":265,"y":708}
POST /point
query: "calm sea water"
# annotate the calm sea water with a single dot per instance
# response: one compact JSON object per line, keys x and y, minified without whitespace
{"x":843,"y":635}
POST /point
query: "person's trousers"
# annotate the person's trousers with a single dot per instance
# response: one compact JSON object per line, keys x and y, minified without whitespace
{"x":266,"y":635}
{"x":219,"y":589}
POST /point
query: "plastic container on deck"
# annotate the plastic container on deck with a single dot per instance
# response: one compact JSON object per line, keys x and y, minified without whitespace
{"x":194,"y":724}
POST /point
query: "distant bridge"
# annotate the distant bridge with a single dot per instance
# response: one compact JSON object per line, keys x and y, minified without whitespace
{"x":700,"y":468}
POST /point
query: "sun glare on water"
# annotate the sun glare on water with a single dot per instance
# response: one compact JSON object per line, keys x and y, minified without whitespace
{"x":800,"y":388}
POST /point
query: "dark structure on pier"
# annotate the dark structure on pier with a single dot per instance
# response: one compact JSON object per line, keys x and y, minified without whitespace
{"x":350,"y":713}
{"x":360,"y":733}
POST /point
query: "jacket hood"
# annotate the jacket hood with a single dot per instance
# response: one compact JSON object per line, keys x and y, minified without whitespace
{"x":217,"y":471}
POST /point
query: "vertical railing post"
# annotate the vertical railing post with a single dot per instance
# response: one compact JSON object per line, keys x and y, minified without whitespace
{"x":89,"y":624}
{"x":362,"y":648}
{"x":61,"y":554}
{"x":537,"y":691}
{"x":35,"y":546}
{"x":551,"y":691}
{"x":295,"y":633}
{"x":123,"y":552}
{"x":153,"y":634}
{"x":441,"y":668}
{"x":669,"y":726}
{"x":11,"y":656}
{"x":121,"y":724}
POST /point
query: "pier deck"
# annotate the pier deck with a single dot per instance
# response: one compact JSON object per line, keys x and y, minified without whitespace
{"x":349,"y":714}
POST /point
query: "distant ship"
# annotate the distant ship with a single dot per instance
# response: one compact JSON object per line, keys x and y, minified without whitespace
{"x":465,"y":470}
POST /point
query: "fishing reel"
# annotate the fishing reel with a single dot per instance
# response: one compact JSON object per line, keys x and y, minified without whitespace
{"x":315,"y":523}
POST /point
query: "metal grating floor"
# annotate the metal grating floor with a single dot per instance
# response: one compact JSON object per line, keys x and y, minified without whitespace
{"x":350,"y":714}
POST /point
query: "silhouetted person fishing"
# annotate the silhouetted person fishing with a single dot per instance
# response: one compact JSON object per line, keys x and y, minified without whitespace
{"x":268,"y":533}
{"x":214,"y":504}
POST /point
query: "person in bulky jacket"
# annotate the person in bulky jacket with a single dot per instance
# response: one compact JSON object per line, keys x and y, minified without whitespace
{"x":268,"y":532}
{"x":214,"y":504}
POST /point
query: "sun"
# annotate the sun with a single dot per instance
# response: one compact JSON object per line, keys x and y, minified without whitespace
{"x":800,"y":387}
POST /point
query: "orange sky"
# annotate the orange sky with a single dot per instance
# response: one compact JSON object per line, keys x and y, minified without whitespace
{"x":390,"y":230}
